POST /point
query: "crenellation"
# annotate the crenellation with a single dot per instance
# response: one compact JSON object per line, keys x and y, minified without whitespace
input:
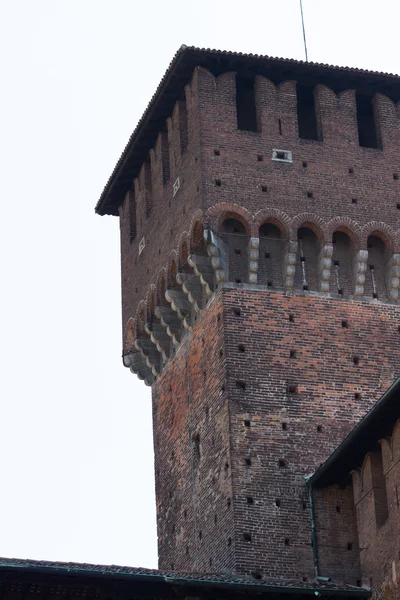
{"x":263,"y":310}
{"x":287,"y":101}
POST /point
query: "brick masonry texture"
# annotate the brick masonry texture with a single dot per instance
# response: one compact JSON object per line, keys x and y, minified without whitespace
{"x":359,"y":526}
{"x":379,"y":537}
{"x":249,"y":404}
{"x":192,"y":450}
{"x":235,"y":424}
{"x":211,"y":117}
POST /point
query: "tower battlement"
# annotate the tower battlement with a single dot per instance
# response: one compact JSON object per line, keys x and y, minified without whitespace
{"x":259,"y":207}
{"x":300,"y":179}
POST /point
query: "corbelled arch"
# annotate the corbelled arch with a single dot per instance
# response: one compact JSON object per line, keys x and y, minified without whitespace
{"x":161,"y":286}
{"x":274,"y":216}
{"x":151,"y":299}
{"x":397,"y":241}
{"x":183,"y":250}
{"x":196,"y":230}
{"x":172,"y":270}
{"x":130,"y":335}
{"x":378,"y":229}
{"x":351,"y":228}
{"x":140,"y":319}
{"x":218,"y":213}
{"x":313,"y":222}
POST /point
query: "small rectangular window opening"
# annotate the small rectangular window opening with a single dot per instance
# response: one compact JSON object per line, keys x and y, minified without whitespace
{"x":132,"y":216}
{"x":165,"y":157}
{"x":246,"y":104}
{"x":367,"y":129}
{"x":379,"y":488}
{"x":280,"y":126}
{"x":264,"y":188}
{"x":306,"y":114}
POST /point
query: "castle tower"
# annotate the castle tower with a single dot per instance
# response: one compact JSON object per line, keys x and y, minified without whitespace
{"x":259,"y":204}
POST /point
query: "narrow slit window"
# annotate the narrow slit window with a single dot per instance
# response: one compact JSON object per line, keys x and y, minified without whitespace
{"x":165,"y":157}
{"x":306,"y":114}
{"x":183,"y":126}
{"x":379,"y":488}
{"x":246,"y":104}
{"x":132,"y":216}
{"x":367,"y":130}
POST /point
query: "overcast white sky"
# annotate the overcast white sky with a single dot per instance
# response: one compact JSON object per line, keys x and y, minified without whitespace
{"x":75,"y":426}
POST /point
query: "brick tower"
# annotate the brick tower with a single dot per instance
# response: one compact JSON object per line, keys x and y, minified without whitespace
{"x":260,"y":239}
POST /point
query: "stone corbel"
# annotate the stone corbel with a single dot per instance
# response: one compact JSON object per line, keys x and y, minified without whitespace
{"x":181,"y":305}
{"x":204,"y":270}
{"x":289,"y":264}
{"x":192,"y":287}
{"x":169,"y":320}
{"x":254,"y":244}
{"x":218,"y":255}
{"x":393,"y":277}
{"x":325,"y":265}
{"x":360,"y":269}
{"x":159,"y":337}
{"x":150,"y":355}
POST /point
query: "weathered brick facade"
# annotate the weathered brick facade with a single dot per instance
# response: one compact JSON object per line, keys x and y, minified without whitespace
{"x":356,"y":501}
{"x":260,"y":277}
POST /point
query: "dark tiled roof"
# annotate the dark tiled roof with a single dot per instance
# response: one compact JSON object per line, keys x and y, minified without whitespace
{"x":217,"y":61}
{"x":377,"y":424}
{"x":137,"y":574}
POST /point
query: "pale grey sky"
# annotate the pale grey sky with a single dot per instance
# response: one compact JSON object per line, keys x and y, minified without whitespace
{"x":75,"y":426}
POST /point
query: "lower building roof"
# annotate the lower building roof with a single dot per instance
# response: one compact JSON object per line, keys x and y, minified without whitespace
{"x":155,"y":583}
{"x":377,"y":424}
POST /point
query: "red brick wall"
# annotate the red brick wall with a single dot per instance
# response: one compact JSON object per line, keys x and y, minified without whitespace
{"x":328,"y":162}
{"x":337,"y":535}
{"x":320,"y":167}
{"x":192,"y":453}
{"x":322,"y":373}
{"x":379,"y":538}
{"x":316,"y":418}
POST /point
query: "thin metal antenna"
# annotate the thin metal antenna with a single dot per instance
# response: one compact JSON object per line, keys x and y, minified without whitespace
{"x":304,"y":30}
